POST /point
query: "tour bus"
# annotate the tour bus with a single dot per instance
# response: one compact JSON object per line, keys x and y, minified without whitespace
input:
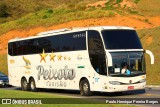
{"x":102,"y":58}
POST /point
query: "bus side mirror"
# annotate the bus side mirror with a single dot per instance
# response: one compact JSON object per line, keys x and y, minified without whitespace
{"x":151,"y":55}
{"x":109,"y":58}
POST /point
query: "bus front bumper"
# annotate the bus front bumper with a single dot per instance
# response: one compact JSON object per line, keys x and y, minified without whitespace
{"x":121,"y":88}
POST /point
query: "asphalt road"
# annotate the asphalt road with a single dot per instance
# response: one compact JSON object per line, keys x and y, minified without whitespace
{"x":150,"y":92}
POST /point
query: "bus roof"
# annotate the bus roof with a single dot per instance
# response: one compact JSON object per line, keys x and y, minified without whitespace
{"x":70,"y":30}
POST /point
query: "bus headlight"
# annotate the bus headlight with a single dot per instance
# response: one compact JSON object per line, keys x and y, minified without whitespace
{"x":1,"y":81}
{"x":114,"y":82}
{"x":143,"y":80}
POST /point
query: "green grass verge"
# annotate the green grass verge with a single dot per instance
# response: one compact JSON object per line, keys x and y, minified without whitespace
{"x":24,"y":94}
{"x":71,"y":105}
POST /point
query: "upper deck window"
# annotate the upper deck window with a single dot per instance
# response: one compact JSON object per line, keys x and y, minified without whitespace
{"x":59,"y":43}
{"x":121,"y":39}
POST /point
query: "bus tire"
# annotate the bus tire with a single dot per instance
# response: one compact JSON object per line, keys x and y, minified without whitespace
{"x":85,"y":88}
{"x":24,"y":84}
{"x":32,"y":85}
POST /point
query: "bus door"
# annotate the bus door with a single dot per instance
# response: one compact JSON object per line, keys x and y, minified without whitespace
{"x":97,"y":57}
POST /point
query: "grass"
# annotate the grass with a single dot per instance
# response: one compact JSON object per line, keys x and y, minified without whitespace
{"x":136,"y":1}
{"x":26,"y":94}
{"x":3,"y":63}
{"x":149,"y":7}
{"x":51,"y":12}
{"x":30,"y":95}
{"x":118,"y":1}
{"x":72,"y":105}
{"x":52,"y":17}
{"x":153,"y":72}
{"x":19,"y":8}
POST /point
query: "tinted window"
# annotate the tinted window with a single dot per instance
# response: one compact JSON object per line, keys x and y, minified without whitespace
{"x":96,"y":52}
{"x":29,"y":46}
{"x":15,"y":49}
{"x":23,"y":47}
{"x":59,"y":43}
{"x":73,"y":41}
{"x":54,"y":44}
{"x":10,"y":48}
{"x":121,"y":39}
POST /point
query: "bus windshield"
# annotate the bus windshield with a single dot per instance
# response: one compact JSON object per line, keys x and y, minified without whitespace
{"x":127,"y":64}
{"x":121,"y":39}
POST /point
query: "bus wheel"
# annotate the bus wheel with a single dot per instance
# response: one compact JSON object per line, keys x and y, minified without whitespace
{"x":32,"y":85}
{"x":85,"y":88}
{"x":24,"y":84}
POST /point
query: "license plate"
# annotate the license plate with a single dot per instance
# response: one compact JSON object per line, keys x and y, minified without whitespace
{"x":130,"y":87}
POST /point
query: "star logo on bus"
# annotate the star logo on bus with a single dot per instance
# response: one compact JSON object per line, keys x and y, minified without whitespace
{"x":43,"y":56}
{"x":59,"y":57}
{"x":52,"y":56}
{"x":69,"y":58}
{"x":65,"y":58}
{"x":12,"y":61}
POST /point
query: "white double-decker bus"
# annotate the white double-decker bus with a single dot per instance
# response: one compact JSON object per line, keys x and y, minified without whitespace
{"x":105,"y":59}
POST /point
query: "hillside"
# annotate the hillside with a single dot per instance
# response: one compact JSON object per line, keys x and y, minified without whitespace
{"x":23,"y":18}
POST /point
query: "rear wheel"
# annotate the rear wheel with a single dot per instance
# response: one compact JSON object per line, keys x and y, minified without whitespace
{"x":32,"y":85}
{"x":85,"y":88}
{"x":24,"y":84}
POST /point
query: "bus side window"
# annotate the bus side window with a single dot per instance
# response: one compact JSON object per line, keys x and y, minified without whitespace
{"x":14,"y":48}
{"x":72,"y":41}
{"x":49,"y":44}
{"x":10,"y":48}
{"x":96,"y":52}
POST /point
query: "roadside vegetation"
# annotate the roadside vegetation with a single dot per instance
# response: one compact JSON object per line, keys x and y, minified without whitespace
{"x":3,"y":63}
{"x":22,"y":14}
{"x":149,"y":7}
{"x":150,"y":39}
{"x":28,"y":14}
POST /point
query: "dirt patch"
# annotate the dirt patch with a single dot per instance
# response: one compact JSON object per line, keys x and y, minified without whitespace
{"x":149,"y":40}
{"x":136,"y":22}
{"x":128,"y":3}
{"x":97,"y":4}
{"x":154,"y":20}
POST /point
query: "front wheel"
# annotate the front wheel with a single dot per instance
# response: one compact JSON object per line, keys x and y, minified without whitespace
{"x":24,"y":84}
{"x":32,"y":85}
{"x":85,"y":88}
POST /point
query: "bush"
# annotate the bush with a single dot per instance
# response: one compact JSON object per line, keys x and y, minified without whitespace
{"x":80,"y":7}
{"x":44,"y":17}
{"x":3,"y":10}
{"x":136,"y":1}
{"x":118,"y":1}
{"x":50,"y":11}
{"x":109,"y":5}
